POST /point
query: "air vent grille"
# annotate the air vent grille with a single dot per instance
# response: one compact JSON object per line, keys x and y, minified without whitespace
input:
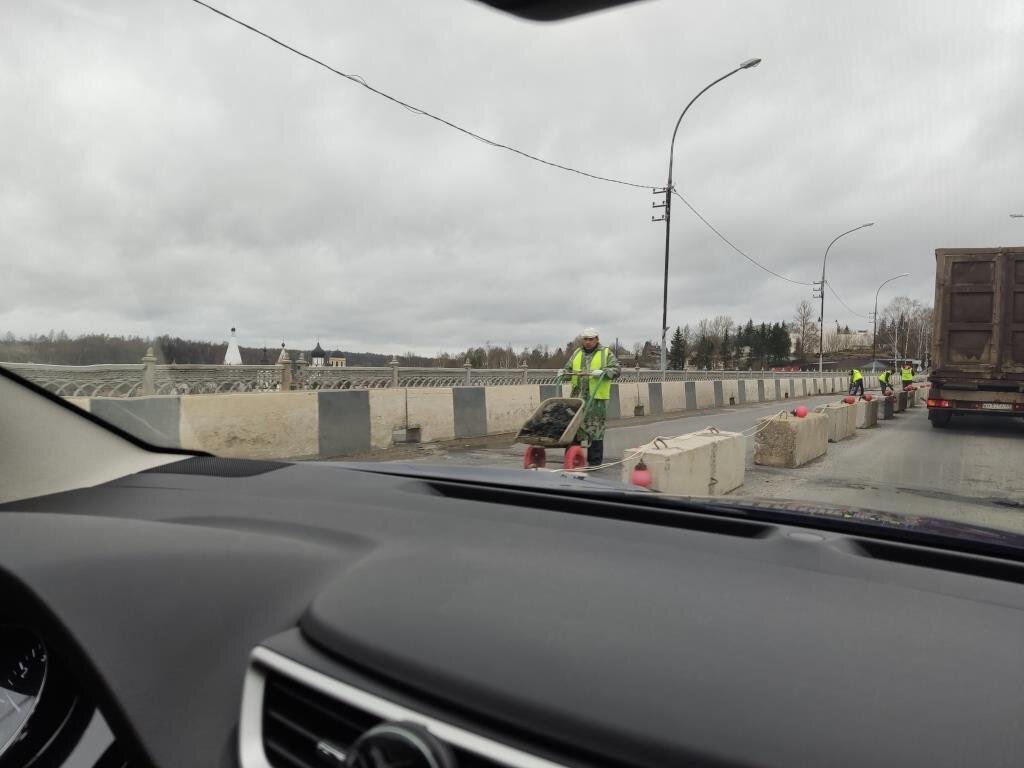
{"x":296,"y":719}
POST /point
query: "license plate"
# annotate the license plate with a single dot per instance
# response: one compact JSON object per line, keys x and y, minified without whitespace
{"x":997,"y":406}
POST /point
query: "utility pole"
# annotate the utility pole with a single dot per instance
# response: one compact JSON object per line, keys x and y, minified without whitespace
{"x":666,"y":217}
{"x":874,"y":316}
{"x":667,"y":205}
{"x":821,"y":287}
{"x":896,"y":345}
{"x":818,"y":292}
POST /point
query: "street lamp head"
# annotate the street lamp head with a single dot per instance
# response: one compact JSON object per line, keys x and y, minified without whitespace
{"x":869,"y":224}
{"x":750,"y":63}
{"x":1017,"y":215}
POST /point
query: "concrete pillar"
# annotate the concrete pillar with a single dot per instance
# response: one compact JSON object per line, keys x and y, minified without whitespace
{"x":300,"y":372}
{"x":526,"y":372}
{"x":469,"y":372}
{"x":284,"y":370}
{"x":394,"y":371}
{"x":149,"y":373}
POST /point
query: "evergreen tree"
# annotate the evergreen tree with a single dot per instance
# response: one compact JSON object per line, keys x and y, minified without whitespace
{"x":677,"y":351}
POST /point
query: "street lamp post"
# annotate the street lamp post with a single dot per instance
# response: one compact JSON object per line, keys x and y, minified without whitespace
{"x":749,"y":64}
{"x":821,"y":318}
{"x":874,"y":332}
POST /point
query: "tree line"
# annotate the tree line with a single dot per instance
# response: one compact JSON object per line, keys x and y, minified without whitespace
{"x":720,"y":343}
{"x":714,"y":342}
{"x":58,"y":348}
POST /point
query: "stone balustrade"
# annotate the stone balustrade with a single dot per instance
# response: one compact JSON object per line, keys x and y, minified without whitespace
{"x":152,"y":378}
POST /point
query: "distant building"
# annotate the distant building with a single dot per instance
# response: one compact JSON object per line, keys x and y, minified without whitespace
{"x":317,"y":357}
{"x":233,"y":356}
{"x":322,"y":358}
{"x":650,"y":355}
{"x":847,"y":340}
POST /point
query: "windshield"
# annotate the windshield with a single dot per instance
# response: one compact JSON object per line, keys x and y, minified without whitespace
{"x":737,"y":250}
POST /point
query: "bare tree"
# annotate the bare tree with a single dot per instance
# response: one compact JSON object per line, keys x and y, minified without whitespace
{"x":718,"y":326}
{"x":905,"y":328}
{"x":805,"y":329}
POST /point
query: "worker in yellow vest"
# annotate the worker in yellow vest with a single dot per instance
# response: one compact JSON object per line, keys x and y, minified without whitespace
{"x":603,"y":367}
{"x":856,"y":382}
{"x":907,"y":375}
{"x":885,"y":380}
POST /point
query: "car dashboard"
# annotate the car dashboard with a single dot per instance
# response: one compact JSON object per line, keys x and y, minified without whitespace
{"x":243,"y":613}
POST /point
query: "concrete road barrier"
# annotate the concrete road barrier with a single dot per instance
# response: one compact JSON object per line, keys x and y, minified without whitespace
{"x":912,"y":399}
{"x":789,"y":441}
{"x":698,"y":464}
{"x":886,"y":407}
{"x":901,"y":402}
{"x":867,"y":413}
{"x":842,"y":420}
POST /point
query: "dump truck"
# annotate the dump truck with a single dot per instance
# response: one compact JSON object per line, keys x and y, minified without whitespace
{"x":978,"y":334}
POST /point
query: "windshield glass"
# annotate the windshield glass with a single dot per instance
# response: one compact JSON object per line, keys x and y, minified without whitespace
{"x":769,"y":243}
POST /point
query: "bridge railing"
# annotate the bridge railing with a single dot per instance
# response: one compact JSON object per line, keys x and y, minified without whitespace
{"x":150,"y":378}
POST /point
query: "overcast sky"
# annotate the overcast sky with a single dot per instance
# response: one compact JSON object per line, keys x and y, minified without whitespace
{"x":163,"y":170}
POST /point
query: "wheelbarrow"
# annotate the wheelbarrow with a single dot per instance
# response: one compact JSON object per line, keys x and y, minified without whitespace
{"x":536,"y":453}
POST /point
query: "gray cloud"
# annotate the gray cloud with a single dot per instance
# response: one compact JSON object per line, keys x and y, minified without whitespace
{"x":165,"y":171}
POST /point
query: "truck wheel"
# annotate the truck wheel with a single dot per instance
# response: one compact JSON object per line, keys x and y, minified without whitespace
{"x":940,"y":419}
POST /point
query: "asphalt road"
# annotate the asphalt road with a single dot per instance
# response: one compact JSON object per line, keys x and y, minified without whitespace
{"x":972,"y":471}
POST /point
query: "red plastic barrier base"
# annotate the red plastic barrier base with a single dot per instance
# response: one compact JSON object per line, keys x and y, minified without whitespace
{"x":575,"y":457}
{"x":535,"y":458}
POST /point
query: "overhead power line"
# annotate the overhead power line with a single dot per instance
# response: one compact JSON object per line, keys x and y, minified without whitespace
{"x":416,"y":110}
{"x":729,"y":242}
{"x":490,"y":142}
{"x":858,"y":314}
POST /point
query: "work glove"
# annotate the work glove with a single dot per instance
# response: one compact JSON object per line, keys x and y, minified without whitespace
{"x":596,"y":372}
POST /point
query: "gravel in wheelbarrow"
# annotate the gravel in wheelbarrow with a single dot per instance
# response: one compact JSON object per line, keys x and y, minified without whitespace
{"x":554,"y":423}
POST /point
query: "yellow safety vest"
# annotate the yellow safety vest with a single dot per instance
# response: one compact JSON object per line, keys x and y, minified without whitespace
{"x":857,"y":376}
{"x":907,"y":375}
{"x":598,"y":361}
{"x":884,"y":377}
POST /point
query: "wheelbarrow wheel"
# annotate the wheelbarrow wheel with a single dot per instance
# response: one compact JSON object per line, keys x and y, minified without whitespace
{"x":575,"y":457}
{"x":535,"y":457}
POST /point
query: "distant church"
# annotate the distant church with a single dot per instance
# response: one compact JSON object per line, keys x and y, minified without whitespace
{"x":233,"y":356}
{"x":319,"y":358}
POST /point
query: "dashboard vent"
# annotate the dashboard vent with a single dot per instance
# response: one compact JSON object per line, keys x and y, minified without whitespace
{"x":215,"y":466}
{"x":650,"y":509}
{"x":296,"y":719}
{"x":955,"y":562}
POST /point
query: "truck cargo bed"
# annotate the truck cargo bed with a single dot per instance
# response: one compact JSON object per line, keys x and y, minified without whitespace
{"x":978,"y":336}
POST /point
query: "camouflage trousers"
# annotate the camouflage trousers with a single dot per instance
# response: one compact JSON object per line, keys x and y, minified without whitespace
{"x":592,"y":426}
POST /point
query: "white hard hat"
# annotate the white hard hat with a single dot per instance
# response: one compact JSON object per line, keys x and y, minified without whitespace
{"x":590,"y":333}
